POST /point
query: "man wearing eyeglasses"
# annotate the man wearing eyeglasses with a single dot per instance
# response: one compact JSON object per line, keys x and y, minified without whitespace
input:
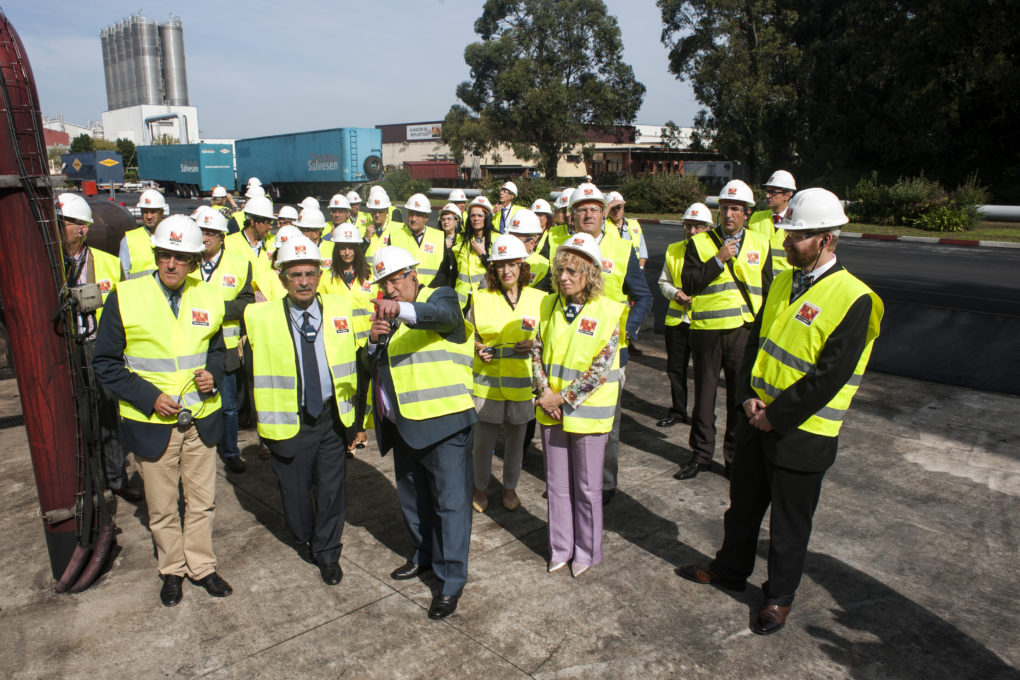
{"x":778,"y":191}
{"x":250,"y":242}
{"x":303,"y":350}
{"x":160,"y":350}
{"x":726,"y":273}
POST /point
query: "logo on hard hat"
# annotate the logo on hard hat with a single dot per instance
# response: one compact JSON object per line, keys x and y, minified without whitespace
{"x":587,"y":192}
{"x":731,"y":191}
{"x":283,"y":239}
{"x":694,"y":213}
{"x":501,"y":250}
{"x":207,"y":219}
{"x":380,"y":267}
{"x":176,"y":237}
{"x":146,"y":201}
{"x":772,"y":179}
{"x":578,"y":241}
{"x":516,"y":223}
{"x":299,"y":250}
{"x":377,"y":201}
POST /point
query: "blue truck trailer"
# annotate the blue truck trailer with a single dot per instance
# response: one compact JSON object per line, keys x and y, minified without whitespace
{"x":101,"y":167}
{"x":317,"y":163}
{"x":187,"y":170}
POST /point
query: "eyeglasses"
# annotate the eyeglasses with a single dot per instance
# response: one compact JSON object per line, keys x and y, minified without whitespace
{"x":773,"y":192}
{"x":164,"y":256}
{"x":391,"y":282}
{"x":264,"y":220}
{"x":797,"y":236}
{"x":300,"y":276}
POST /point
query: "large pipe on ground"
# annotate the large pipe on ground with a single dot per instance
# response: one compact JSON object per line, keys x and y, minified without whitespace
{"x":30,"y":277}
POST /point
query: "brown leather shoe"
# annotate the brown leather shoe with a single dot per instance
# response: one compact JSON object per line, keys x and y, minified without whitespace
{"x":693,"y":572}
{"x":771,"y":618}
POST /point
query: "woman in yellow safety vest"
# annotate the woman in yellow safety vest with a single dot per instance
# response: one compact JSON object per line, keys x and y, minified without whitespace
{"x":350,"y":275}
{"x":576,"y":373}
{"x":450,"y":222}
{"x":473,"y":249}
{"x":505,"y":317}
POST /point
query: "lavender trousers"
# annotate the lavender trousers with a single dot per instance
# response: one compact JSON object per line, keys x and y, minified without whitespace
{"x":573,"y":474}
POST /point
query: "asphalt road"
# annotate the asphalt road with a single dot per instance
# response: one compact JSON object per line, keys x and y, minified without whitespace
{"x":952,"y":313}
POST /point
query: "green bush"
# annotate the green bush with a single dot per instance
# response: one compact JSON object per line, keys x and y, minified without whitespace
{"x":397,"y":184}
{"x":530,"y":190}
{"x":661,"y":193}
{"x":420,"y":186}
{"x":944,"y":218}
{"x":895,"y":204}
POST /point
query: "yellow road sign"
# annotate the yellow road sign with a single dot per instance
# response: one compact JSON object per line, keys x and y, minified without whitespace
{"x":76,"y":164}
{"x":109,"y":162}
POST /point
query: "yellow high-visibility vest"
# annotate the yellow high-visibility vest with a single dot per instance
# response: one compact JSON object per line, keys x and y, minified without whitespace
{"x":568,"y":350}
{"x":762,"y":223}
{"x":139,"y":243}
{"x":238,"y":243}
{"x":721,"y":305}
{"x":470,"y":271}
{"x":507,"y":377}
{"x":360,"y":294}
{"x":431,"y":375}
{"x":429,"y":254}
{"x":676,"y":313}
{"x":107,"y":269}
{"x":228,"y":278}
{"x":165,"y":351}
{"x":275,"y":361}
{"x":268,"y":283}
{"x":633,"y":229}
{"x":497,"y":217}
{"x":794,"y":334}
{"x":539,"y":266}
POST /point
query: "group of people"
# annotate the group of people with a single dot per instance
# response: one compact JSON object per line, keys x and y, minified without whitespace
{"x":503,"y":320}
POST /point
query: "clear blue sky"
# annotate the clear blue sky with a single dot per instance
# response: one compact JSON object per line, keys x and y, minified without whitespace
{"x":270,"y":67}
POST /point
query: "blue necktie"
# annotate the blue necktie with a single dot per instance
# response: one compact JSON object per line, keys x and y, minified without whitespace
{"x":175,"y":301}
{"x":310,"y":367}
{"x":799,"y":284}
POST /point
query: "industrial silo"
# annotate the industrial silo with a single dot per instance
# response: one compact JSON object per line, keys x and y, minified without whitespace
{"x":175,"y":77}
{"x":107,"y":66}
{"x":145,"y":40}
{"x":125,"y":65}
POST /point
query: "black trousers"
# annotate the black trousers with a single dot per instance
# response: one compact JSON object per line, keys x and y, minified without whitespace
{"x":712,"y":350}
{"x":315,"y":459}
{"x":678,"y":355}
{"x":755,"y":483}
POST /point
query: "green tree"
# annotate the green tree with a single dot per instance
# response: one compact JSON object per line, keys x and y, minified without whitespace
{"x":543,"y":72}
{"x":127,"y":151}
{"x":100,"y":144}
{"x":743,"y":68}
{"x":82,"y":144}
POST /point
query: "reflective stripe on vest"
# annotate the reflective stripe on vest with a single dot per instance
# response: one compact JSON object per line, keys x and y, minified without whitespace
{"x":470,"y":271}
{"x":275,"y":360}
{"x":675,"y":312}
{"x":568,"y":350}
{"x":793,"y":336}
{"x":431,"y":375}
{"x":721,"y":305}
{"x":139,"y":243}
{"x":507,"y":376}
{"x":165,"y":351}
{"x":429,"y":254}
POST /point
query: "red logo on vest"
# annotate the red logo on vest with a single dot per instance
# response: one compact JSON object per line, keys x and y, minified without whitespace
{"x":340,"y":325}
{"x":230,"y":281}
{"x":807,"y":313}
{"x":199,"y":317}
{"x":587,"y":325}
{"x":528,"y":323}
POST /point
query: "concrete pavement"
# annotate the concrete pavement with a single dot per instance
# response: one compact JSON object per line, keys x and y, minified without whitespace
{"x":911,"y":572}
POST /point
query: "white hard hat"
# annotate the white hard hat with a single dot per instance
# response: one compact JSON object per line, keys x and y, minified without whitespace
{"x":377,"y":189}
{"x":74,"y":207}
{"x":311,"y":218}
{"x":510,"y":186}
{"x":814,"y":209}
{"x":541,"y":206}
{"x":352,"y":197}
{"x":378,"y":201}
{"x":418,"y":203}
{"x":346,"y":233}
{"x":219,"y":192}
{"x":698,"y":212}
{"x":508,"y":247}
{"x":207,"y":217}
{"x":781,"y":179}
{"x":151,"y":200}
{"x":450,"y":208}
{"x":389,"y":260}
{"x":736,"y":190}
{"x":339,"y":202}
{"x":524,"y":222}
{"x":585,"y":244}
{"x":285,"y":233}
{"x":614,"y":197}
{"x":309,"y":202}
{"x":178,"y":233}
{"x":586,"y":192}
{"x":254,"y":182}
{"x":457,"y":195}
{"x":297,"y":249}
{"x":287,"y":213}
{"x":562,"y":200}
{"x":480,"y":201}
{"x":260,"y":206}
{"x":254,"y":191}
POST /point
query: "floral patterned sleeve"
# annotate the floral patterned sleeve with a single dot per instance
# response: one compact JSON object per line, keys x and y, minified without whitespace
{"x":540,"y":380}
{"x":586,"y":383}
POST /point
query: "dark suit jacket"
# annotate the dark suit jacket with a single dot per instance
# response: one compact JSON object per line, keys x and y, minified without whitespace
{"x":440,"y":313}
{"x":147,"y":440}
{"x":786,"y":445}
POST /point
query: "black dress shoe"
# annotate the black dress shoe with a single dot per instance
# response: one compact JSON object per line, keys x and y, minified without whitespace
{"x":607,"y":496}
{"x":129,"y":494}
{"x":671,"y":419}
{"x":234,"y":464}
{"x":691,"y":469}
{"x":704,"y":575}
{"x":215,"y":586}
{"x":331,"y":573}
{"x":410,"y":570}
{"x":771,"y":618}
{"x":443,"y":606}
{"x":171,"y":593}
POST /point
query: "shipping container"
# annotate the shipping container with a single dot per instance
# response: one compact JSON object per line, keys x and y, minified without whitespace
{"x":101,"y":167}
{"x":317,"y":163}
{"x":446,"y":170}
{"x":187,"y":169}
